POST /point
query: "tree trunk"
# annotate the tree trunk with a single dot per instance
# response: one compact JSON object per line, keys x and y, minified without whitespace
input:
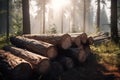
{"x":44,"y":18}
{"x":7,"y":21}
{"x":26,"y":17}
{"x":40,"y":63}
{"x":14,"y":67}
{"x":62,"y":41}
{"x":84,"y":18}
{"x":98,"y":15}
{"x":114,"y":28}
{"x":38,"y":47}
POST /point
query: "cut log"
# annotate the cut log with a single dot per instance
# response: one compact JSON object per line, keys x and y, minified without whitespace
{"x":77,"y":54}
{"x":38,"y":47}
{"x":87,"y":50}
{"x":83,"y":38}
{"x":66,"y":62}
{"x":14,"y":68}
{"x":90,"y":40}
{"x":40,"y":63}
{"x":76,"y":41}
{"x":62,"y":41}
{"x":55,"y":71}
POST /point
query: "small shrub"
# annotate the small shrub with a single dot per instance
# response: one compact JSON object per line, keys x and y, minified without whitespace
{"x":107,"y":52}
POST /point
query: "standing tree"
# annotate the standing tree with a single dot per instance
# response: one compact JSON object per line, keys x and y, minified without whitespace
{"x":44,"y":3}
{"x":98,"y":15}
{"x":84,"y":18}
{"x":26,"y":17}
{"x":7,"y":20}
{"x":114,"y":28}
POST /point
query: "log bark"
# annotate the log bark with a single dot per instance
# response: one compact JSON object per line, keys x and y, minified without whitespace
{"x":38,"y":47}
{"x":62,"y":41}
{"x":14,"y":68}
{"x":40,"y":63}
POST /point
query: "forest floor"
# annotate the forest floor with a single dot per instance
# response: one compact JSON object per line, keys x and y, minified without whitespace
{"x":102,"y":64}
{"x":93,"y":70}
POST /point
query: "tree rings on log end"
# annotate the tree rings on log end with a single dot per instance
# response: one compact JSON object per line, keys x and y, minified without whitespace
{"x":84,"y":38}
{"x":44,"y":66}
{"x":51,"y":52}
{"x":82,"y":56}
{"x":77,"y":41}
{"x":22,"y":72}
{"x":66,"y":41}
{"x":69,"y":63}
{"x":90,"y":40}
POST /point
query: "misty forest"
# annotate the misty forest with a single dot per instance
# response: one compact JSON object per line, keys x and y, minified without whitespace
{"x":59,"y":39}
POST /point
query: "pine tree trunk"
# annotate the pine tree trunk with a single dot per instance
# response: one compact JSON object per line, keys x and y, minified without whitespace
{"x":114,"y":28}
{"x":26,"y":17}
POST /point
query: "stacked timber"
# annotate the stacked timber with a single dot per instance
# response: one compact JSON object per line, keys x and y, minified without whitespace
{"x":14,"y":68}
{"x":38,"y":47}
{"x":40,"y":63}
{"x":62,"y":41}
{"x":48,"y":54}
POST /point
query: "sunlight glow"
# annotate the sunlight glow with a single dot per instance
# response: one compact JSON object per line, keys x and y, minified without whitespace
{"x":58,"y":4}
{"x":34,"y":8}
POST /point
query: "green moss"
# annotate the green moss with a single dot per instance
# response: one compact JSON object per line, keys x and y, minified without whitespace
{"x":107,"y":52}
{"x":2,"y":41}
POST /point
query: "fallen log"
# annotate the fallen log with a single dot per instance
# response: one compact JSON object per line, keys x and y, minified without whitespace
{"x":62,"y":41}
{"x":78,"y":55}
{"x":15,"y":68}
{"x":83,"y":38}
{"x":55,"y":71}
{"x":87,"y":50}
{"x":90,"y":40}
{"x":76,"y":41}
{"x":66,"y":62}
{"x":40,"y":63}
{"x":38,"y":47}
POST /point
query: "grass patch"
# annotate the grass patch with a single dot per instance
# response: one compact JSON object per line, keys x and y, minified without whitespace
{"x":3,"y":41}
{"x":107,"y":52}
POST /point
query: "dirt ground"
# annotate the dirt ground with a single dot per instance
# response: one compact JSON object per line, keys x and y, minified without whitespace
{"x":90,"y":70}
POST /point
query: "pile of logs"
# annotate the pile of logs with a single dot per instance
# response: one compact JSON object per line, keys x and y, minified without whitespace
{"x":44,"y":54}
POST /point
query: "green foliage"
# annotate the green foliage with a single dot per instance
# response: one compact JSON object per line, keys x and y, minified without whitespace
{"x":16,"y":17}
{"x":2,"y":41}
{"x":52,"y":29}
{"x":106,"y":47}
{"x":107,"y":52}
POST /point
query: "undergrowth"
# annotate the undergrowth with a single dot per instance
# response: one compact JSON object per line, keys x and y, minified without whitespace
{"x":3,"y":41}
{"x":107,"y":52}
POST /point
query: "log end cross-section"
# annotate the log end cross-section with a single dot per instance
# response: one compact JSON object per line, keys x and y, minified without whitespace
{"x":66,"y":41}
